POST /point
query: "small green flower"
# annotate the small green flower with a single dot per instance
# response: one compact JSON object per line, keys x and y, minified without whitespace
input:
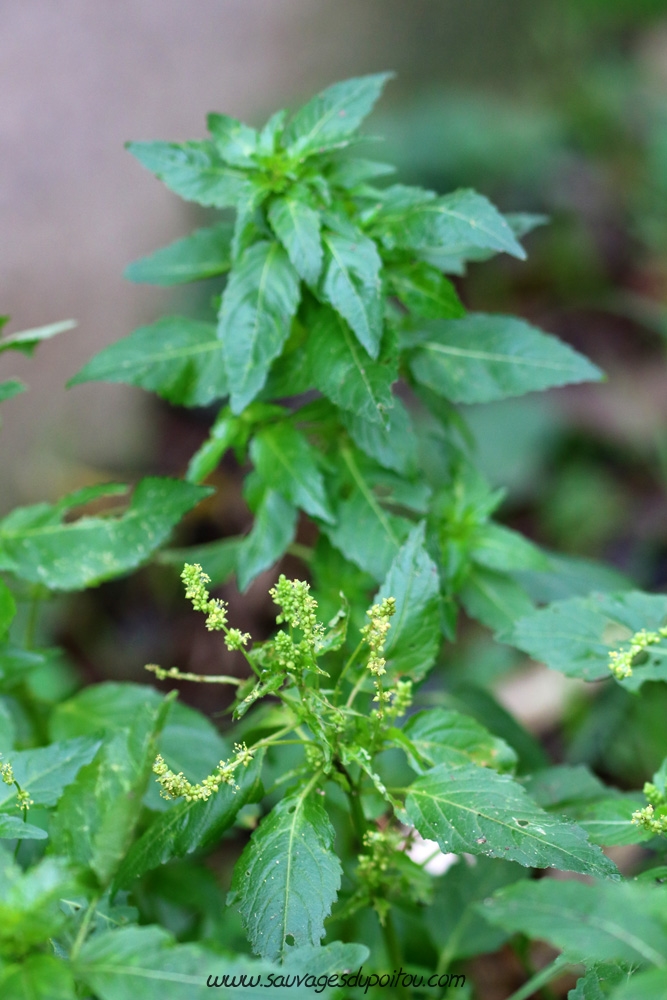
{"x":621,"y":662}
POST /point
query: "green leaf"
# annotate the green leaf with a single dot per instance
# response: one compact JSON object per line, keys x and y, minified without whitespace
{"x":189,"y":826}
{"x":287,"y":463}
{"x":570,"y":576}
{"x":297,"y":226}
{"x":257,"y":308}
{"x":7,"y":607}
{"x":367,"y":534}
{"x":217,"y":559}
{"x":344,"y":373}
{"x":235,"y":141}
{"x":178,"y":358}
{"x":392,"y":444}
{"x":414,"y":637}
{"x":577,"y":635}
{"x":608,"y":820}
{"x":44,"y":772}
{"x":441,"y":736}
{"x":274,"y":528}
{"x":639,"y":986}
{"x":37,"y":546}
{"x":12,"y":387}
{"x":30,"y":911}
{"x":452,"y":224}
{"x":482,"y":358}
{"x":326,"y":960}
{"x":204,"y":254}
{"x":353,"y":172}
{"x":599,"y":923}
{"x":103,"y":709}
{"x":598,"y":982}
{"x":27,"y":340}
{"x":330,"y":118}
{"x":424,"y":290}
{"x":37,"y":977}
{"x":224,"y":433}
{"x":494,"y":599}
{"x":500,"y":548}
{"x":351,"y":284}
{"x":14,"y":828}
{"x":454,"y":917}
{"x":476,"y":810}
{"x":194,"y":170}
{"x":98,"y":814}
{"x":287,"y":877}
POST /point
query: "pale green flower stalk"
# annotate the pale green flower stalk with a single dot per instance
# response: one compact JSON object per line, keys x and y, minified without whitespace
{"x":177,"y":785}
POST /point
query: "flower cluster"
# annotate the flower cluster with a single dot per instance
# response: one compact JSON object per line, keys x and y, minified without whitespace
{"x":647,"y":817}
{"x":375,"y":633}
{"x":6,"y":773}
{"x":176,"y":786}
{"x":622,"y":662}
{"x":195,"y":580}
{"x":298,"y":609}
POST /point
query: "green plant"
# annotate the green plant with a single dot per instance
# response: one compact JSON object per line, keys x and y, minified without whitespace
{"x":338,"y":285}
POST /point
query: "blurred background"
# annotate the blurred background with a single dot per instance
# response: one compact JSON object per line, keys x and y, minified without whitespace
{"x":550,"y":106}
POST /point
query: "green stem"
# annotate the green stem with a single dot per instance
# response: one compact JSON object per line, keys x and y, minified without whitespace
{"x":173,"y":673}
{"x":542,"y":978}
{"x":348,"y":664}
{"x":83,"y":929}
{"x":394,"y":949}
{"x":303,"y":552}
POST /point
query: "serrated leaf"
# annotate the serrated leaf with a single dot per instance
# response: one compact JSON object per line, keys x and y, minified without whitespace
{"x":7,"y":607}
{"x":257,"y":308}
{"x":180,"y":359}
{"x":12,"y":387}
{"x":451,"y":224}
{"x":414,"y":637}
{"x":393,"y":444}
{"x":235,"y":141}
{"x":14,"y":828}
{"x":331,"y":117}
{"x":27,"y":340}
{"x":351,"y":285}
{"x":494,"y":599}
{"x":476,"y":810}
{"x":621,"y":921}
{"x":274,"y":528}
{"x":193,"y":170}
{"x":500,"y":548}
{"x":36,"y":546}
{"x":343,"y":372}
{"x":204,"y":254}
{"x":186,"y":827}
{"x":598,"y":982}
{"x":30,"y":913}
{"x":366,"y":534}
{"x":287,"y":463}
{"x":297,"y":226}
{"x":424,"y":290}
{"x":442,"y":736}
{"x":577,"y":635}
{"x":288,"y":877}
{"x":44,"y":772}
{"x":481,"y":358}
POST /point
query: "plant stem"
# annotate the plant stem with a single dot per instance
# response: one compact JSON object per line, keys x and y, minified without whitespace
{"x":83,"y":929}
{"x":542,"y":978}
{"x":394,"y":949}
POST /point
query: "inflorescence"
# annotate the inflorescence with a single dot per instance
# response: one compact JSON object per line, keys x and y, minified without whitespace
{"x":621,"y":662}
